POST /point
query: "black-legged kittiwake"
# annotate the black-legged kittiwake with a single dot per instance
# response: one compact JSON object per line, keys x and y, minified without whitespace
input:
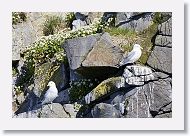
{"x":50,"y":94}
{"x":132,"y":56}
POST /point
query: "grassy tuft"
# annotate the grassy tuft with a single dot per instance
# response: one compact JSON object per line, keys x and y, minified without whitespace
{"x":18,"y":17}
{"x":52,"y":25}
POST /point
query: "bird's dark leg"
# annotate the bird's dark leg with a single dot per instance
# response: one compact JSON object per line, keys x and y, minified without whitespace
{"x":51,"y":108}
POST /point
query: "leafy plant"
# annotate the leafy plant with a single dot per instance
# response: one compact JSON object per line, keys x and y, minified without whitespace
{"x":49,"y":47}
{"x":70,"y":17}
{"x":18,"y":17}
{"x":52,"y":25}
{"x":160,"y":17}
{"x":82,"y":87}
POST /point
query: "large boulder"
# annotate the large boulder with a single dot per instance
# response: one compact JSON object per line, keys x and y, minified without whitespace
{"x":76,"y":49}
{"x":137,"y":75}
{"x":166,"y":28}
{"x":57,"y":111}
{"x":134,"y":21}
{"x":105,"y":88}
{"x":162,"y":97}
{"x":93,"y":56}
{"x":164,"y":41}
{"x":161,"y":58}
{"x":151,"y":100}
{"x":103,"y":110}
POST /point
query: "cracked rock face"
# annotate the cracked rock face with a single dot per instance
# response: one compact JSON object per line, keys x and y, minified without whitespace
{"x":161,"y":56}
{"x":137,"y":75}
{"x":134,"y":21}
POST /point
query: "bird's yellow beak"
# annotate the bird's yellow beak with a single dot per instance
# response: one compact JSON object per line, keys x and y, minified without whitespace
{"x":48,"y":84}
{"x":141,"y":47}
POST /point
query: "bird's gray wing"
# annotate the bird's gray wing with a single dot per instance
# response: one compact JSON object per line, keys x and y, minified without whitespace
{"x":129,"y":57}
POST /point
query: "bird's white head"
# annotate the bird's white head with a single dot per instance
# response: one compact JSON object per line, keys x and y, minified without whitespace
{"x":51,"y":83}
{"x":137,"y":46}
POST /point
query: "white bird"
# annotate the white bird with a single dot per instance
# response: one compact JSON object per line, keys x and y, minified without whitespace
{"x":50,"y":94}
{"x":132,"y":56}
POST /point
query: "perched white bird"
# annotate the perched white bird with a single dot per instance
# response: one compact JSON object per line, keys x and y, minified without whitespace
{"x":132,"y":56}
{"x":50,"y":94}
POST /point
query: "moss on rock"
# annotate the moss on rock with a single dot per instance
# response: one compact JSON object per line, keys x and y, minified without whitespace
{"x":106,"y":87}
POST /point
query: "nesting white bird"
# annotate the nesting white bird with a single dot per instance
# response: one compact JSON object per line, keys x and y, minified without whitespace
{"x":132,"y":56}
{"x":50,"y":94}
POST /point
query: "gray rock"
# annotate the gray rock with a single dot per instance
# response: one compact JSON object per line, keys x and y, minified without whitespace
{"x":45,"y":111}
{"x":23,"y":35}
{"x":161,"y":58}
{"x":81,"y":15}
{"x":29,"y":104}
{"x":56,"y":112}
{"x":104,"y":53}
{"x":166,"y":28}
{"x":137,"y":75}
{"x":124,"y":16}
{"x":77,"y":24}
{"x":162,"y":95}
{"x":165,"y":41}
{"x":92,"y":54}
{"x":61,"y":77}
{"x":92,"y":16}
{"x":103,"y":110}
{"x":137,"y":23}
{"x":165,"y":115}
{"x":15,"y":53}
{"x":29,"y":114}
{"x":160,"y":75}
{"x":138,"y":106}
{"x":150,"y":100}
{"x":70,"y":110}
{"x":63,"y":97}
{"x":77,"y":49}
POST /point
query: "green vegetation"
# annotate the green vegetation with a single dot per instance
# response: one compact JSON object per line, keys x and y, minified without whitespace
{"x":52,"y":25}
{"x":160,"y":17}
{"x":107,"y":86}
{"x":18,"y":17}
{"x":49,"y":47}
{"x":121,"y":32}
{"x":143,"y":38}
{"x":14,"y":72}
{"x":146,"y":42}
{"x":70,"y":17}
{"x":17,"y":90}
{"x":82,"y":87}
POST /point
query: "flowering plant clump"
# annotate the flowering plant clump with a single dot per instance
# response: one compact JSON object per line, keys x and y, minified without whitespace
{"x":82,"y":87}
{"x":69,"y":19}
{"x":18,"y":17}
{"x":46,"y":47}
